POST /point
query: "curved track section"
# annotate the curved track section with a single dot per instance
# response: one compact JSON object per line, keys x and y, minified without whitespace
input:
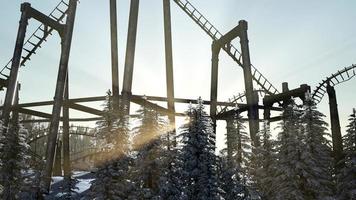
{"x":339,"y":77}
{"x":232,"y":51}
{"x":240,"y":98}
{"x":37,"y":38}
{"x":73,"y":130}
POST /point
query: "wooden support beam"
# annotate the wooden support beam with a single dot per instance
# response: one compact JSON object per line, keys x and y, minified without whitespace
{"x":232,"y":34}
{"x":143,"y":101}
{"x":284,"y":96}
{"x":251,"y":101}
{"x":169,"y":71}
{"x":86,"y":109}
{"x":58,"y":97}
{"x":34,"y":113}
{"x":130,"y":54}
{"x":44,"y":19}
{"x":65,"y":136}
{"x":230,"y":113}
{"x":71,"y":120}
{"x":114,"y":50}
{"x":15,"y":65}
{"x":335,"y":128}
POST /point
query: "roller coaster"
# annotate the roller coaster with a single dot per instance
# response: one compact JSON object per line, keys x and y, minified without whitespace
{"x":61,"y":20}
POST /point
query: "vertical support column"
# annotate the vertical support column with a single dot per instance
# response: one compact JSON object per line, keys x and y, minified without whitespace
{"x":15,"y":65}
{"x":58,"y":98}
{"x":169,"y":66}
{"x":114,"y":50}
{"x":267,"y":112}
{"x":130,"y":55}
{"x":335,"y":127}
{"x":256,"y":113}
{"x":248,"y":81}
{"x":215,"y":49}
{"x":57,"y":171}
{"x":285,"y":89}
{"x":65,"y":134}
{"x":15,"y":114}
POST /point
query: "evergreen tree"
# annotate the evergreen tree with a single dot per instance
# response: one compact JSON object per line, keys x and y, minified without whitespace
{"x":148,"y":142}
{"x":199,"y":167}
{"x":234,"y":160}
{"x":113,"y":180}
{"x":170,"y":182}
{"x":13,"y":160}
{"x":238,"y":144}
{"x":230,"y":181}
{"x":290,"y":166}
{"x":262,"y":164}
{"x":107,"y":126}
{"x":346,"y":185}
{"x":317,"y":177}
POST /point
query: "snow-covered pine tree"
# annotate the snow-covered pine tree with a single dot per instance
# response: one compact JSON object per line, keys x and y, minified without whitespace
{"x":199,"y":167}
{"x":234,"y":160}
{"x":346,"y":183}
{"x":113,"y":179}
{"x":170,"y":182}
{"x":106,"y":126}
{"x":317,"y":176}
{"x":148,"y":143}
{"x":238,"y":144}
{"x":262,"y":163}
{"x":230,"y":181}
{"x":289,"y":168}
{"x":13,"y":159}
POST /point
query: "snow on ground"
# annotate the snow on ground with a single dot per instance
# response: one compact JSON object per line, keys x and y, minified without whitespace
{"x":56,"y":179}
{"x":84,"y":182}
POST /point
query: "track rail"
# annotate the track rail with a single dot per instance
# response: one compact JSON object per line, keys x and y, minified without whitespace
{"x":232,"y":51}
{"x":339,"y":77}
{"x":240,"y":97}
{"x":37,"y":38}
{"x":73,"y":130}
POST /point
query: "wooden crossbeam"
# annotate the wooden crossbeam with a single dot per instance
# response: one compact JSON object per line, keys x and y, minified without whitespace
{"x":86,"y":109}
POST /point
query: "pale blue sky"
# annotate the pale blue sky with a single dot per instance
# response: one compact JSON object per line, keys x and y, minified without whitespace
{"x":294,"y":41}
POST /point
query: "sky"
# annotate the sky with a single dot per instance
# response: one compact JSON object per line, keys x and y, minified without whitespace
{"x":299,"y":42}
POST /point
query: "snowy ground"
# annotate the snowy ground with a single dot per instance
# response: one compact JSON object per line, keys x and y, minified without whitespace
{"x":84,"y":182}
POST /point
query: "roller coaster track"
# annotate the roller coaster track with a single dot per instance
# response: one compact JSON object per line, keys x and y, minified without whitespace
{"x":88,"y":152}
{"x":36,"y":39}
{"x":73,"y":130}
{"x":237,"y":99}
{"x":232,"y":51}
{"x":339,"y":77}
